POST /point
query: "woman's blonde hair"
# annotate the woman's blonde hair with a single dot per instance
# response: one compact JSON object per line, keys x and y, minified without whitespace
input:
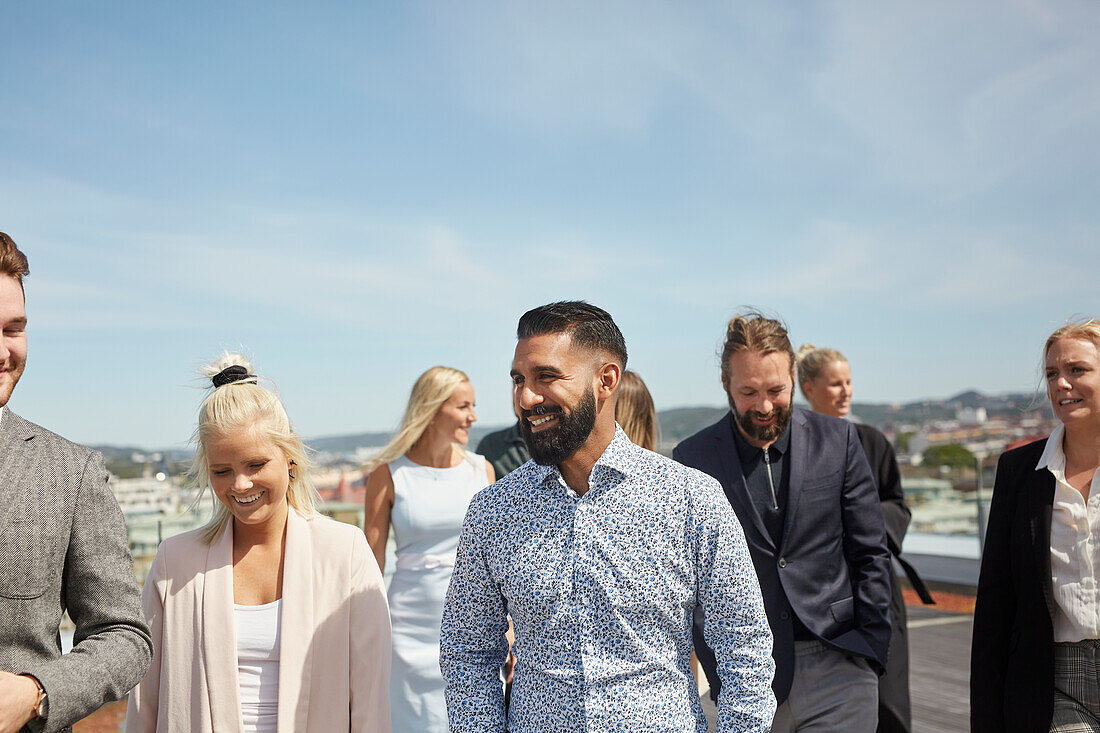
{"x":243,"y":404}
{"x":811,"y":360}
{"x":1086,"y":329}
{"x":432,"y":389}
{"x":635,"y":413}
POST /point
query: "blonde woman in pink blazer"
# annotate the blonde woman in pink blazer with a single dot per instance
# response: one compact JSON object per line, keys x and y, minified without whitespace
{"x":271,"y":618}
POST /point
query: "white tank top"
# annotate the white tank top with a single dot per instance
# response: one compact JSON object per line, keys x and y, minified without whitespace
{"x":258,"y":664}
{"x":428,"y":508}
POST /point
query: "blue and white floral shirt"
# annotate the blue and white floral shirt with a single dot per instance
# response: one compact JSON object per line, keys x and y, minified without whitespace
{"x":601,"y":589}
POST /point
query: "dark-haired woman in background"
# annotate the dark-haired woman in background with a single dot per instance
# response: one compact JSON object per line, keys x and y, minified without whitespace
{"x":826,"y":381}
{"x":1035,"y":662}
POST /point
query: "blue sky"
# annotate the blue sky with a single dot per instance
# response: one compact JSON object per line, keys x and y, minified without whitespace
{"x":354,"y":192}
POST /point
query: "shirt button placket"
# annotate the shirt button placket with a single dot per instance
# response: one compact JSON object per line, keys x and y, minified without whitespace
{"x":582,"y":537}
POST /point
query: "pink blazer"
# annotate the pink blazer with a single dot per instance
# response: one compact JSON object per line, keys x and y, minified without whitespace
{"x":334,"y":667}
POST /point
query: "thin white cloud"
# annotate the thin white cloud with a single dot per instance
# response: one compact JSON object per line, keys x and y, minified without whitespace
{"x":846,"y":266}
{"x":578,"y":68}
{"x":955,"y":98}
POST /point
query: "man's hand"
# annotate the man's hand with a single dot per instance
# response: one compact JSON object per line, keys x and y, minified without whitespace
{"x":510,"y":665}
{"x":18,"y":701}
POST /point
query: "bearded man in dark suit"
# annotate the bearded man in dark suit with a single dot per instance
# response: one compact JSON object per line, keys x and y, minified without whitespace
{"x":63,"y":547}
{"x":802,"y":489}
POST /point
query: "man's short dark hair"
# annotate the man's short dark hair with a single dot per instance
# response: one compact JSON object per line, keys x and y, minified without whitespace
{"x":586,"y":324}
{"x":13,"y":262}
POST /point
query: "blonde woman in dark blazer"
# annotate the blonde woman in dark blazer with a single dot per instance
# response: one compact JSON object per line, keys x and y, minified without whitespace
{"x":1034,"y":662}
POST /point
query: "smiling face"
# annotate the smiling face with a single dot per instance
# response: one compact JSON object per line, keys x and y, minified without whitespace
{"x":1073,"y":382}
{"x":13,"y":336}
{"x":831,"y":392}
{"x":759,"y":391}
{"x":250,"y":475}
{"x":456,"y":415}
{"x":554,"y":393}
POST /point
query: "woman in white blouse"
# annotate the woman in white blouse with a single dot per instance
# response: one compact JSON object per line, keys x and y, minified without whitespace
{"x":271,"y":617}
{"x":1036,"y":650}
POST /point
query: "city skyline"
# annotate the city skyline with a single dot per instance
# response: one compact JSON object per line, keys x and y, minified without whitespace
{"x":354,"y":194}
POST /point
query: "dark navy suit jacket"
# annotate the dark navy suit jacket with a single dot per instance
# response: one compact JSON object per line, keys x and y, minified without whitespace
{"x":831,"y":566}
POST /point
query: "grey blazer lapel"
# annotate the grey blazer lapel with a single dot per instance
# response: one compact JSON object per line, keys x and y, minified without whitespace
{"x":16,"y":436}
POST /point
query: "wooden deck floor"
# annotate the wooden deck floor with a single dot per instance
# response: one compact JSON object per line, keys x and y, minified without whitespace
{"x":939,"y":670}
{"x":939,"y":677}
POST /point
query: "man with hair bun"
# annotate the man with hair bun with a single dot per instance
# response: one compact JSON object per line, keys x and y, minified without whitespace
{"x":800,"y":484}
{"x":599,"y":550}
{"x":63,"y":547}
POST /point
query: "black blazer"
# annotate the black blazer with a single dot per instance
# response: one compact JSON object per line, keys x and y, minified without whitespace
{"x":1012,"y":657}
{"x":831,"y":566}
{"x":884,"y":469}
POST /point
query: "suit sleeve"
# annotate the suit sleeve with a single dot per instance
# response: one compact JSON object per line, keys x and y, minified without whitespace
{"x":865,"y":550}
{"x":143,"y":702}
{"x":895,"y":511}
{"x":111,"y":644}
{"x":735,"y":625}
{"x":369,"y":643}
{"x":472,"y":643}
{"x":994,"y":610}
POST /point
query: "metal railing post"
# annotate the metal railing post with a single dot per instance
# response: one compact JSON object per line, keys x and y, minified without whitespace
{"x":981,"y":508}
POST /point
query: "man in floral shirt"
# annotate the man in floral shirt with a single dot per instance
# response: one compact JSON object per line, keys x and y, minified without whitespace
{"x":599,"y":551}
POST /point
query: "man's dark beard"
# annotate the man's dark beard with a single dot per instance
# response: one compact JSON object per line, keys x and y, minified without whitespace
{"x":763,"y":433}
{"x":552,"y":446}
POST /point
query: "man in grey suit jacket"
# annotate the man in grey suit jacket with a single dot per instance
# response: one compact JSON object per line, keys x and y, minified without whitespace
{"x":63,"y":546}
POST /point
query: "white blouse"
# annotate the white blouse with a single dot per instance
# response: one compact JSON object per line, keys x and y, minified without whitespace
{"x":258,"y":664}
{"x":1074,"y":550}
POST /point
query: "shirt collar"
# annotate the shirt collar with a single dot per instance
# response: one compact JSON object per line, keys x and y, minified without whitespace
{"x":1054,"y":457}
{"x":619,"y":456}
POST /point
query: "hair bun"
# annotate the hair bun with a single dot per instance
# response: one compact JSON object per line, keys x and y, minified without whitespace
{"x":737,"y":323}
{"x":227,"y":369}
{"x":231,"y":374}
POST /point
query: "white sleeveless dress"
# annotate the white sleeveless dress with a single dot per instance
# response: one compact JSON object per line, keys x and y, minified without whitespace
{"x":428,"y":509}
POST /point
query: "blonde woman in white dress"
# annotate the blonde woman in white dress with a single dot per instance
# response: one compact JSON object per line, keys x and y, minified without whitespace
{"x":422,"y":484}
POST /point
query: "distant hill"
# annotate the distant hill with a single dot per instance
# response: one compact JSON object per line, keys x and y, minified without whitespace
{"x":130,"y":462}
{"x":921,"y":411}
{"x":349,"y":443}
{"x":679,"y":422}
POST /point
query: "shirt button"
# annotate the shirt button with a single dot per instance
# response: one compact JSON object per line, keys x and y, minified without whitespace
{"x":784,"y":615}
{"x":782,"y":562}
